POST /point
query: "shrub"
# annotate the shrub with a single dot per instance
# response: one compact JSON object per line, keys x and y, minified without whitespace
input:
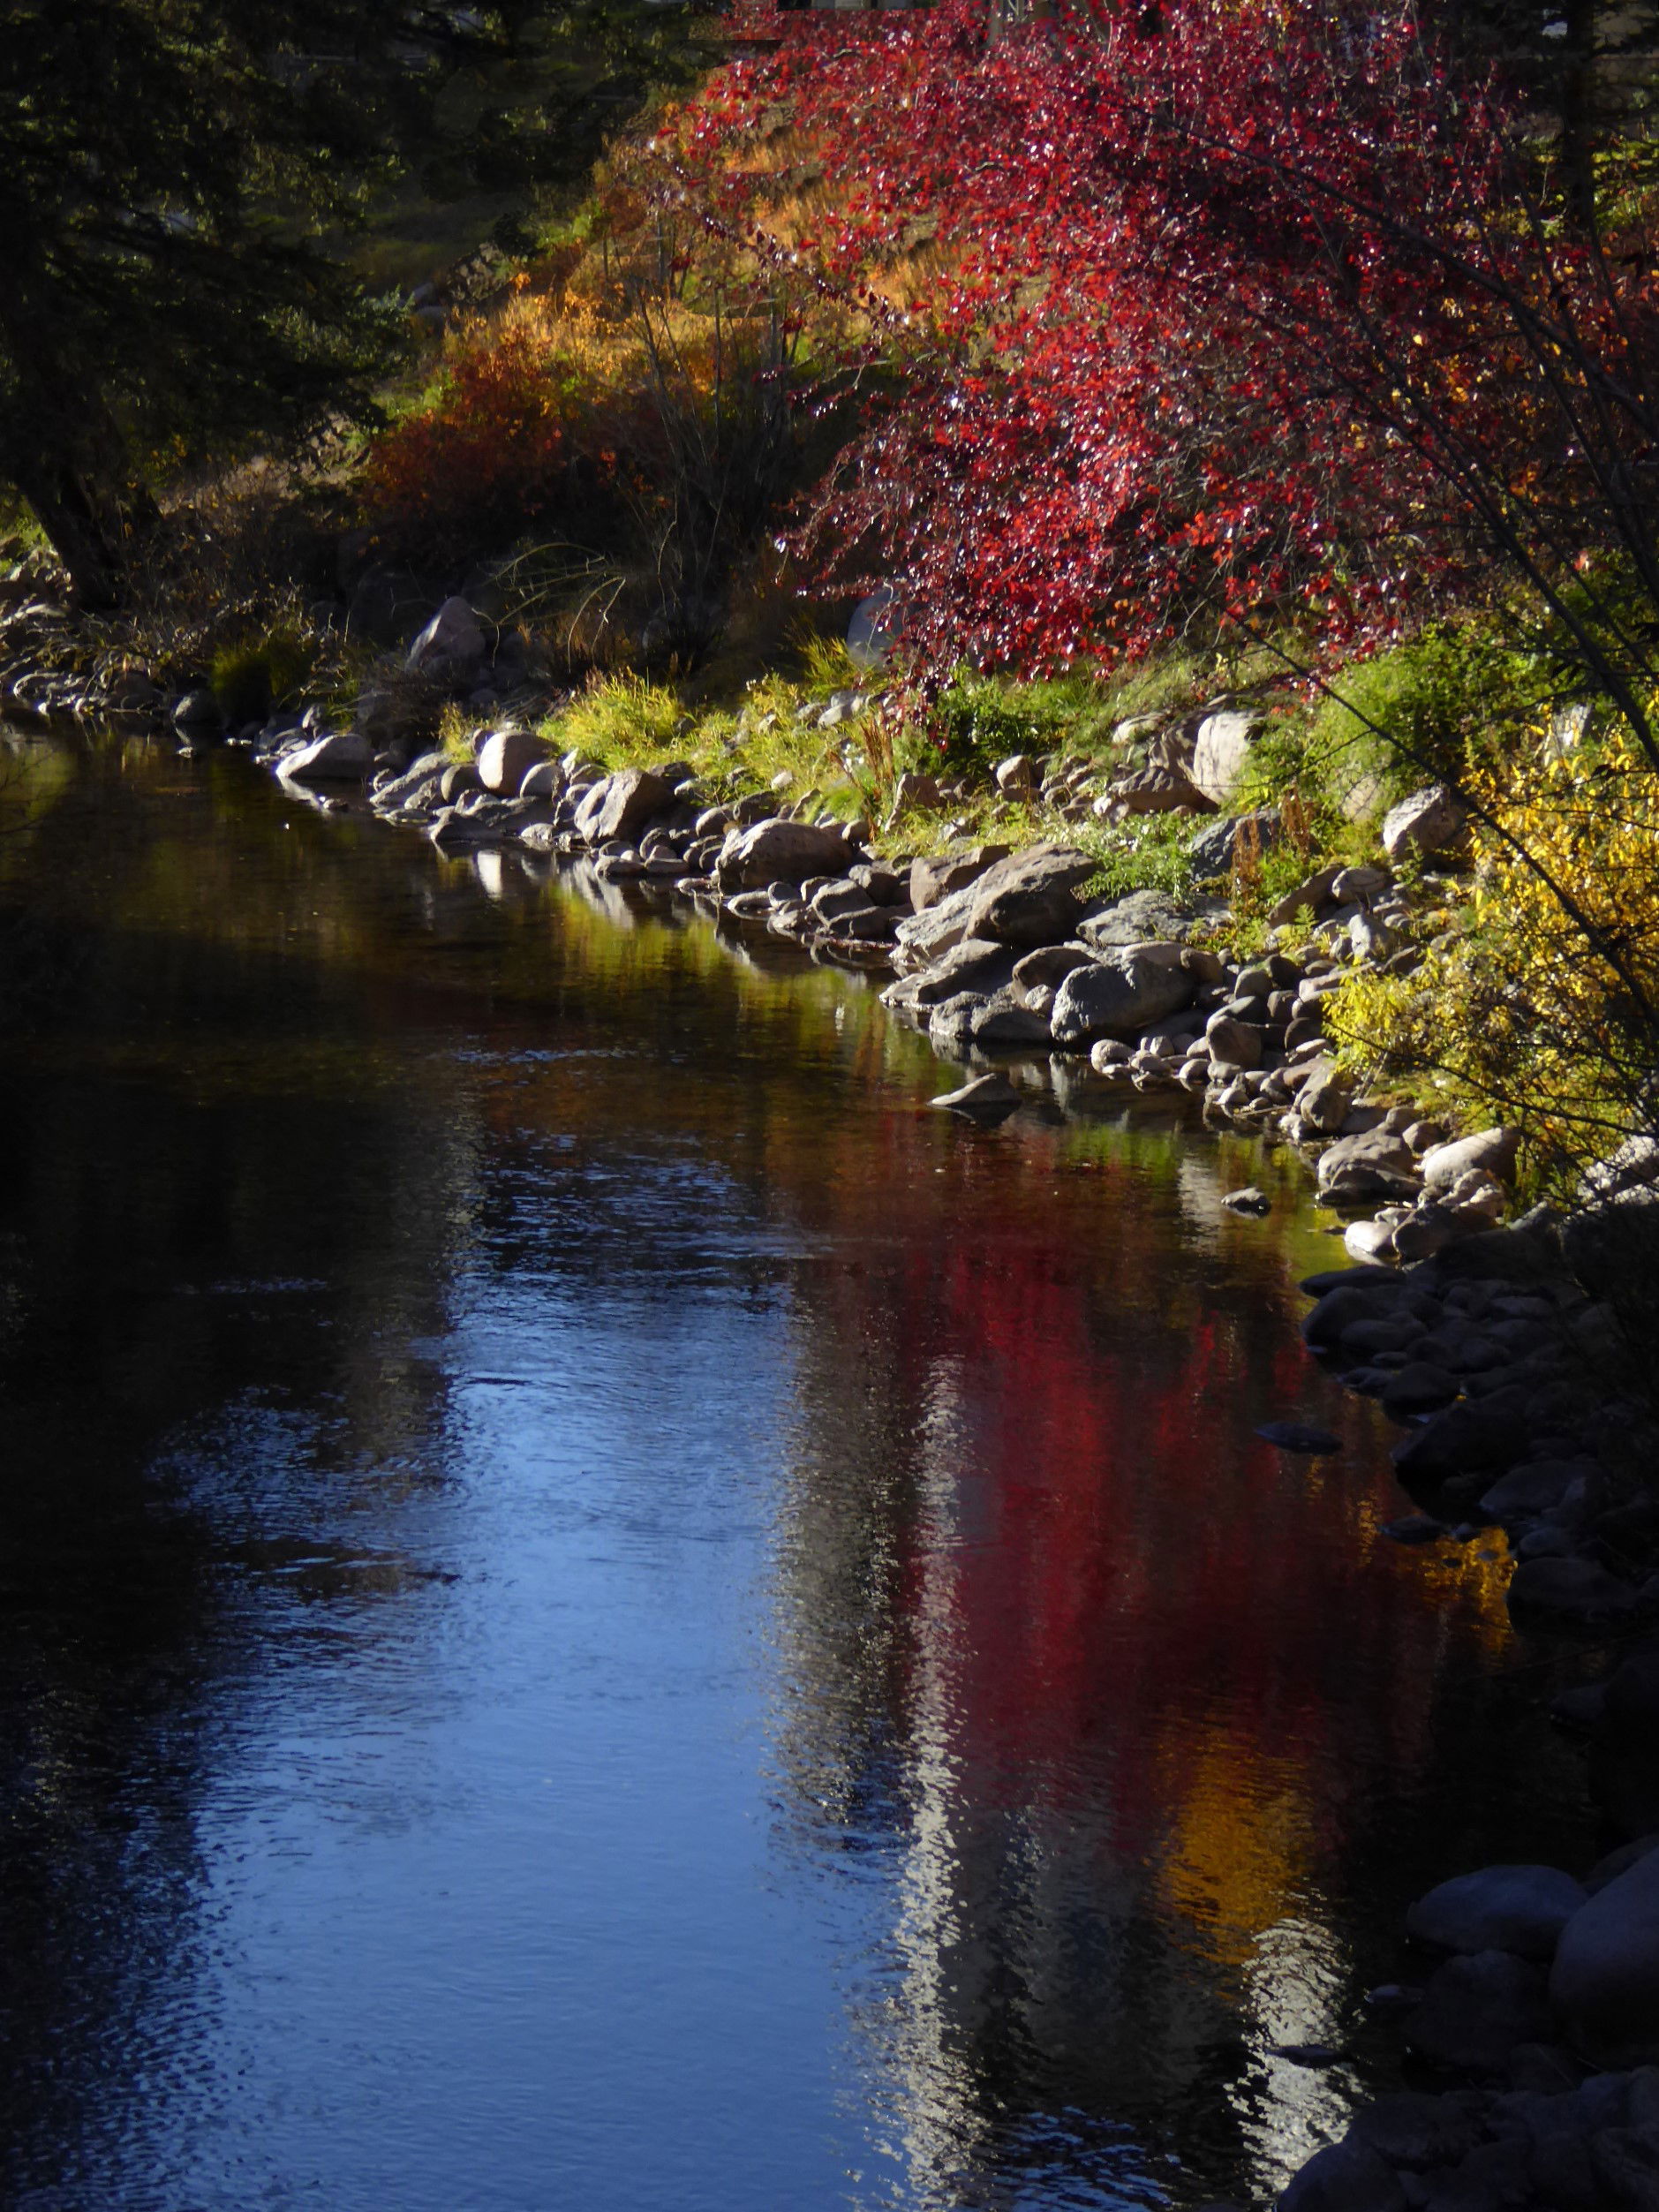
{"x":1434,"y":710}
{"x":505,"y":440}
{"x":254,"y":674}
{"x":1544,"y":1008}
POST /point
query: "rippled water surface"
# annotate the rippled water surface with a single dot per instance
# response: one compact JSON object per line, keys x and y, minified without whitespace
{"x":599,"y":1609}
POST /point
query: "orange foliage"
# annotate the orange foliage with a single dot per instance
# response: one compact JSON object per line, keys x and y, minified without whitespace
{"x":511,"y":436}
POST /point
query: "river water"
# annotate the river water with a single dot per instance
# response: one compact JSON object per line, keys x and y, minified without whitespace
{"x":600,"y":1609}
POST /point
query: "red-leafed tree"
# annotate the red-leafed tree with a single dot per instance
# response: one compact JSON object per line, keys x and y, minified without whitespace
{"x":1194,"y":315}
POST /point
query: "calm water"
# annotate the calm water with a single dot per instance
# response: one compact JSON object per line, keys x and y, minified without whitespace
{"x":598,"y":1609}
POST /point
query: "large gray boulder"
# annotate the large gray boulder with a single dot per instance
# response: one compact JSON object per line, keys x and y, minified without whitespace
{"x":1211,"y":851}
{"x":936,"y":876}
{"x":1426,"y":822}
{"x":1140,"y":918}
{"x":413,"y":782}
{"x":1028,"y":899}
{"x":976,"y":964}
{"x":1121,"y":997}
{"x":1570,"y":1592}
{"x":1373,"y":1164}
{"x":620,"y":805}
{"x":1605,"y":1979}
{"x":1468,"y":1438}
{"x":1521,"y":1909}
{"x":1326,"y":1098}
{"x":343,"y":755}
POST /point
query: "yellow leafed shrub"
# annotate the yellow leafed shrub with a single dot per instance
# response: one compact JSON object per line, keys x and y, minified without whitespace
{"x":1543,"y":1007}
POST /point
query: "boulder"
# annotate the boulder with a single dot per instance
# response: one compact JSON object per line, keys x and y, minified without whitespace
{"x":1493,"y":1151}
{"x":1212,"y":850}
{"x":1049,"y":966}
{"x":1016,"y":777}
{"x":341,"y":756}
{"x":544,"y":780}
{"x":913,"y":790}
{"x":974,"y":964}
{"x":1634,"y":1165}
{"x":1326,"y":1098}
{"x":1532,"y":1489}
{"x":198,"y":710}
{"x":1574,"y":1593}
{"x":935,"y":876}
{"x":1411,"y":2128}
{"x":1160,"y":787}
{"x":1419,"y":1386}
{"x":1605,"y":1979}
{"x":1232,"y":1043}
{"x":620,"y":805}
{"x":1345,"y":2176}
{"x":1141,"y":917}
{"x":986,"y":1098}
{"x":1521,"y":1909}
{"x":504,"y":760}
{"x":950,"y":1031}
{"x":398,"y":790}
{"x":1220,"y":751}
{"x":1474,"y":2010}
{"x":452,"y":647}
{"x":1426,"y":822}
{"x":1004,"y":1027}
{"x":1372,"y":1164}
{"x":1310,"y":896}
{"x":1372,"y":1243}
{"x":1469,"y":1438}
{"x":1028,"y":899}
{"x":1122,"y":998}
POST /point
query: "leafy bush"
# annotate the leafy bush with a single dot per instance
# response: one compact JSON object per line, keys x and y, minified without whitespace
{"x":1431,"y":711}
{"x":1543,"y":1008}
{"x":978,"y":719}
{"x":503,"y":441}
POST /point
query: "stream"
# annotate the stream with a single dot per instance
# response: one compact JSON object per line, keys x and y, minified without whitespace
{"x":599,"y":1609}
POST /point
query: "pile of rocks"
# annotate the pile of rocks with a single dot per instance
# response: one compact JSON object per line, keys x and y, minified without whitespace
{"x":1546,"y":2005}
{"x":998,"y":952}
{"x":1497,"y":1358}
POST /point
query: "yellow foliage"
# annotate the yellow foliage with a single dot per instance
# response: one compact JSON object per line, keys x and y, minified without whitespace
{"x":1543,"y":1007}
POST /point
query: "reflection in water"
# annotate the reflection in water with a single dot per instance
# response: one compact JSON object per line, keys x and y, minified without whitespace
{"x":599,"y":1609}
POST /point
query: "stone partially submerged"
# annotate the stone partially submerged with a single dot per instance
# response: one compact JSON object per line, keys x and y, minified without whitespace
{"x":1122,"y":997}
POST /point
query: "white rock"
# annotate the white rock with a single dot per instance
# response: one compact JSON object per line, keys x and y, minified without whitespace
{"x":1425,"y":822}
{"x":1368,"y":1241}
{"x":543,"y":780}
{"x":344,"y":756}
{"x":505,"y":758}
{"x":1220,"y":754}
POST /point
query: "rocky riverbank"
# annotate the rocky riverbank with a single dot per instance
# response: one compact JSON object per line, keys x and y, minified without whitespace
{"x":1534,"y":2027}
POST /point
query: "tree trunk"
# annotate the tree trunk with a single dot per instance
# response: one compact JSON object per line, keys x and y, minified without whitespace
{"x":74,"y":529}
{"x":1577,"y":106}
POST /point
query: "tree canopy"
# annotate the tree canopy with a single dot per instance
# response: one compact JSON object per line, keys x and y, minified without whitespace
{"x":176,"y":179}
